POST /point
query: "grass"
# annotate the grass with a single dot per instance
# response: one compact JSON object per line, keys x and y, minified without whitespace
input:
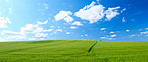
{"x":73,"y":51}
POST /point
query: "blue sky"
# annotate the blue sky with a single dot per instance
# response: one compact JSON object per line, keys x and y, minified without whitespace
{"x":110,"y":20}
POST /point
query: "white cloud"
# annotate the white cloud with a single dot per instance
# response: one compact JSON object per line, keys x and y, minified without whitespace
{"x":41,"y":35}
{"x":15,"y":37}
{"x":127,"y":30}
{"x":89,"y":6}
{"x":41,"y":23}
{"x":123,"y":10}
{"x":42,"y":39}
{"x":67,"y":32}
{"x":146,"y":28}
{"x":51,"y":26}
{"x":123,"y":19}
{"x":58,"y":26}
{"x":132,"y":35}
{"x":31,"y":38}
{"x":111,"y":12}
{"x":106,"y":38}
{"x":44,"y":4}
{"x":48,"y":30}
{"x":60,"y":30}
{"x":5,"y":32}
{"x":72,"y":27}
{"x":30,"y":28}
{"x":111,"y":32}
{"x":98,"y":1}
{"x":102,"y":37}
{"x":86,"y":35}
{"x":4,"y":21}
{"x":24,"y":31}
{"x":12,"y":35}
{"x":103,"y":29}
{"x":94,"y":13}
{"x":68,"y":19}
{"x":113,"y":35}
{"x":110,"y":38}
{"x":91,"y":12}
{"x":146,"y":32}
{"x":46,"y":7}
{"x":62,"y":14}
{"x":77,"y":23}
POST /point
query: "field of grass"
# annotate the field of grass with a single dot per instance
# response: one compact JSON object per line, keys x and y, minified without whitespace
{"x":73,"y":51}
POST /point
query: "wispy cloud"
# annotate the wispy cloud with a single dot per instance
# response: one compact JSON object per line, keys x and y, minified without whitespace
{"x":4,"y":21}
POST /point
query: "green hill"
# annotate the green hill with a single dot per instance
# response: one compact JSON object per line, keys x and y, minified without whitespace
{"x":73,"y":51}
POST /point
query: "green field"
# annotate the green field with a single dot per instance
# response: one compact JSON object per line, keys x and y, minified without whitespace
{"x":73,"y":51}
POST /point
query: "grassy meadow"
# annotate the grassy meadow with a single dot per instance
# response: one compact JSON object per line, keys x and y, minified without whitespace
{"x":73,"y":51}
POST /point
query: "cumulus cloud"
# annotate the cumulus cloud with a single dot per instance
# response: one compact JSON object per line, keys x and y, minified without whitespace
{"x":146,"y":28}
{"x":94,"y":13}
{"x":4,"y":21}
{"x":12,"y":35}
{"x":103,"y":29}
{"x":86,"y":35}
{"x":111,"y":32}
{"x":111,"y":12}
{"x":132,"y":35}
{"x":91,"y":12}
{"x":113,"y":35}
{"x":68,"y":19}
{"x":40,"y":23}
{"x":35,"y":29}
{"x":102,"y":37}
{"x":72,"y":27}
{"x":67,"y":32}
{"x":77,"y":23}
{"x":146,"y":32}
{"x":48,"y":30}
{"x":30,"y":28}
{"x":107,"y":37}
{"x":127,"y":30}
{"x":64,"y":15}
{"x":60,"y":30}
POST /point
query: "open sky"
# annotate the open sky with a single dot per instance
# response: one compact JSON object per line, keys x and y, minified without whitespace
{"x":113,"y":20}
